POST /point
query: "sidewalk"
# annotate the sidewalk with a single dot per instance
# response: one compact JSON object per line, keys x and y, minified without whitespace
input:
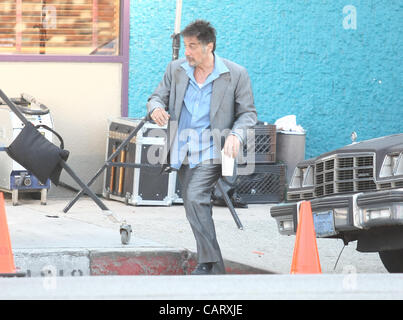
{"x":86,"y":242}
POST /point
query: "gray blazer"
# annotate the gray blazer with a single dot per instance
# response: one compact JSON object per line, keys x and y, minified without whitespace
{"x":232,"y":107}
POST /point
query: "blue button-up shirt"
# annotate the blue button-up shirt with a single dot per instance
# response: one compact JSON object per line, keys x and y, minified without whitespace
{"x":193,"y":137}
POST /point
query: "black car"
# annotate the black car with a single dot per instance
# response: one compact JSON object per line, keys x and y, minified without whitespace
{"x":356,"y":194}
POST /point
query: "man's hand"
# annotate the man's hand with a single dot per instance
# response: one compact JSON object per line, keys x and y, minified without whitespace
{"x":231,"y":146}
{"x":160,"y":116}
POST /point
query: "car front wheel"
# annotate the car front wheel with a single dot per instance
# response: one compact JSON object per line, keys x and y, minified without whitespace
{"x":392,"y":260}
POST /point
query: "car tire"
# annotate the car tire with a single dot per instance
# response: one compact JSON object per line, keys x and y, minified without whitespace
{"x":392,"y":260}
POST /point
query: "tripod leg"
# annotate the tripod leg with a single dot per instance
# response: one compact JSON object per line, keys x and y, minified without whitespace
{"x":83,"y":186}
{"x":79,"y":194}
{"x":111,"y":157}
{"x":229,"y":205}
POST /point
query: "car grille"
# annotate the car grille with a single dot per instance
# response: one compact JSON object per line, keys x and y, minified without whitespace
{"x":344,"y":173}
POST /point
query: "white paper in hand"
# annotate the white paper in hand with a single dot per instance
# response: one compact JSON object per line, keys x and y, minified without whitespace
{"x":227,"y":165}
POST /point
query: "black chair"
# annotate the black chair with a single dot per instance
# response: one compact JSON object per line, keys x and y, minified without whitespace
{"x":46,"y":160}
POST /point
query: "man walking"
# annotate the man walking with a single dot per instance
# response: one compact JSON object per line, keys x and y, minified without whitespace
{"x":204,"y":99}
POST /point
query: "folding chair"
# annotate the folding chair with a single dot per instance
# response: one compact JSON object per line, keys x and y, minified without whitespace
{"x":46,"y":161}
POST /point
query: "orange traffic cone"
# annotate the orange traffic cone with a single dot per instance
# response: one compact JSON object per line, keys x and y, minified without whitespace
{"x":7,"y":267}
{"x":305,"y":257}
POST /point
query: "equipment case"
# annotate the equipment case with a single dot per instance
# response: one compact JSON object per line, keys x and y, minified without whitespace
{"x":144,"y":185}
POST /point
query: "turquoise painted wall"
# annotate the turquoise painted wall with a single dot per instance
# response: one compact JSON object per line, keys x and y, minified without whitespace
{"x":337,"y":65}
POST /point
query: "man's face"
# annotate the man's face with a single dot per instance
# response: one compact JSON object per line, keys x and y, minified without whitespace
{"x":195,"y":52}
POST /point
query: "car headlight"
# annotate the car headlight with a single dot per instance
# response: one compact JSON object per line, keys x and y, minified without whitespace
{"x":392,"y":165}
{"x":302,"y":177}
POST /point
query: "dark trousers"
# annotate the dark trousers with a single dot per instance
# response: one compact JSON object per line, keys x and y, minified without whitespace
{"x":197,"y":185}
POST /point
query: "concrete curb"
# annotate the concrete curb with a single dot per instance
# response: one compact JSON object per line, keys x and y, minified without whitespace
{"x":66,"y":262}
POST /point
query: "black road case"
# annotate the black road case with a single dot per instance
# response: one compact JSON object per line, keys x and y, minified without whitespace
{"x":138,"y":186}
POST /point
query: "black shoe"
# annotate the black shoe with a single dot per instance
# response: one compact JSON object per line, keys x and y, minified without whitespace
{"x":203,"y":269}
